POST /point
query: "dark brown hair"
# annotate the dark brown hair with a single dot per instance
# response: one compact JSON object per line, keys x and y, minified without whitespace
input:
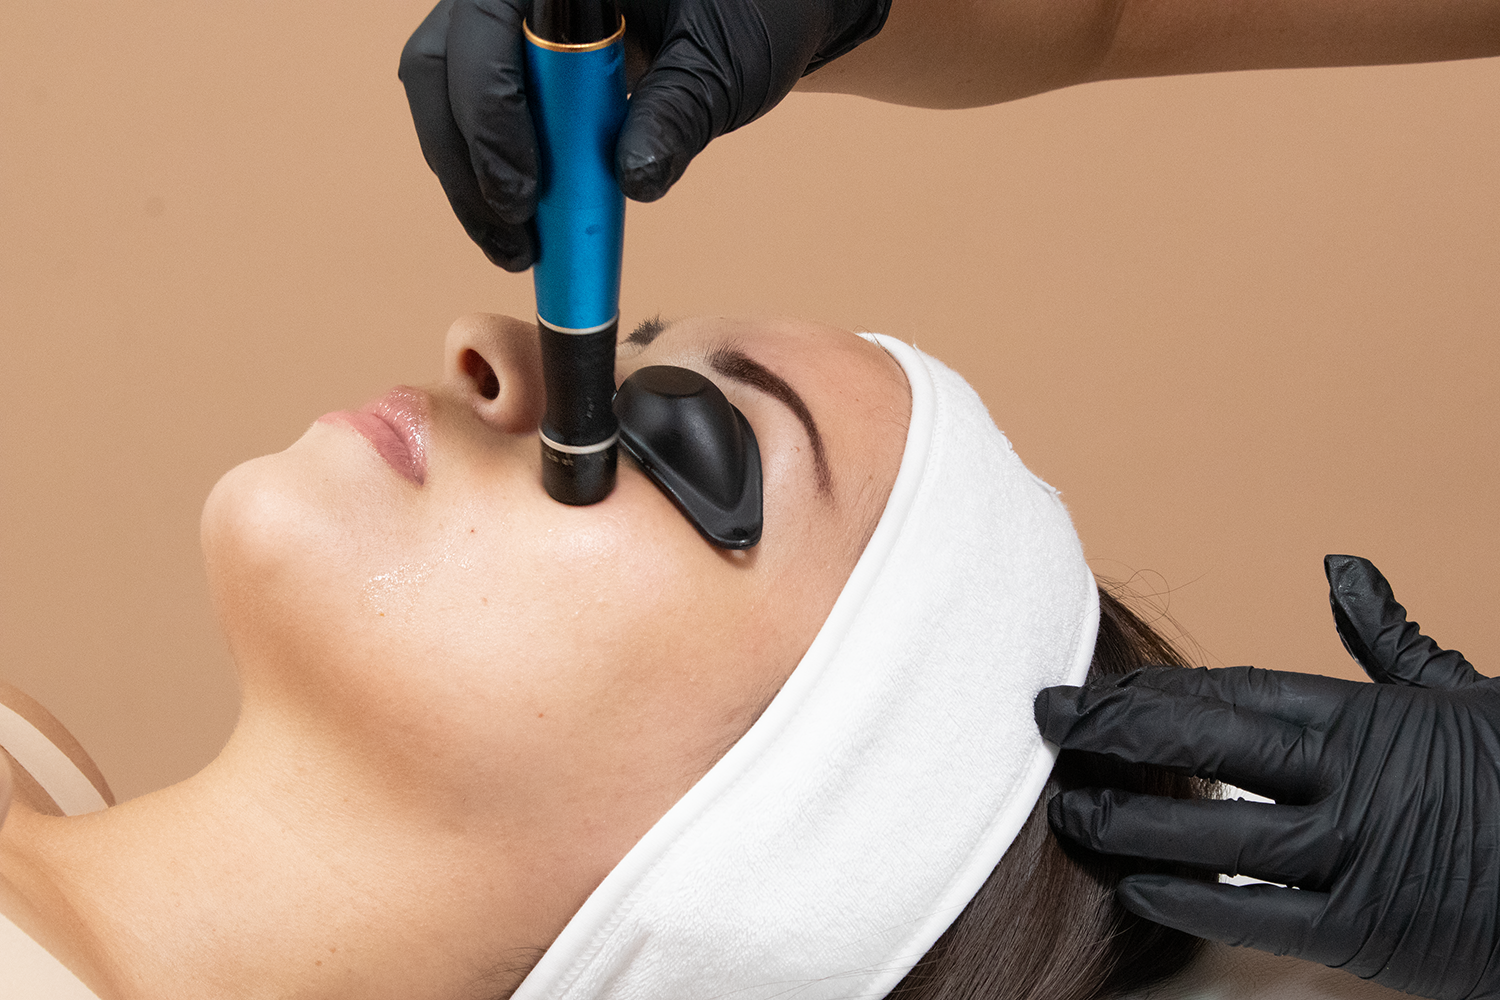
{"x":1045,"y":925}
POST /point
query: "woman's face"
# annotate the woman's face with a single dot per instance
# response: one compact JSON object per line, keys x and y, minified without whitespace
{"x":403,"y":584}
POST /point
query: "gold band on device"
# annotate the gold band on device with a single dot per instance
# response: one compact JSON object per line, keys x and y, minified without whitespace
{"x":581,"y":47}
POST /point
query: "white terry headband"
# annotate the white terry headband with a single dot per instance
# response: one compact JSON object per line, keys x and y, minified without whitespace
{"x":824,"y":854}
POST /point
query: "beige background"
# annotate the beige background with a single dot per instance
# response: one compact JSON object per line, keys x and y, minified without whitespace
{"x":1240,"y":320}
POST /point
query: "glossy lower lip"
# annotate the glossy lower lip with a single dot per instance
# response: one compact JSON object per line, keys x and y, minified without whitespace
{"x":396,"y":424}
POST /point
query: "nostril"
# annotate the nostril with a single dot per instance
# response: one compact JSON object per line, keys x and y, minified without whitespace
{"x":481,"y":373}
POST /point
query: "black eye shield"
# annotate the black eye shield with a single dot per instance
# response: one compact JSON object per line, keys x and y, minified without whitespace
{"x":698,"y":447}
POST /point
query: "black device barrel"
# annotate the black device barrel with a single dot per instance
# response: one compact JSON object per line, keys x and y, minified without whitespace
{"x":574,"y":22}
{"x":579,"y":428}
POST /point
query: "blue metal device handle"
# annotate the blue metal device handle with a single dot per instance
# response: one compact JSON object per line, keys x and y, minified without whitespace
{"x":577,"y":99}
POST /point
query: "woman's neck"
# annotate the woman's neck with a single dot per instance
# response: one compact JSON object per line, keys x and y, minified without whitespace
{"x":283,"y":870}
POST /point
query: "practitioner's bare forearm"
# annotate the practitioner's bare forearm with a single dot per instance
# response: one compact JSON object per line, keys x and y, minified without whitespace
{"x":966,"y":53}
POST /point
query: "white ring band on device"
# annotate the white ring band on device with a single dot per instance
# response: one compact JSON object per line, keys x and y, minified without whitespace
{"x":581,"y":330}
{"x":580,"y":449}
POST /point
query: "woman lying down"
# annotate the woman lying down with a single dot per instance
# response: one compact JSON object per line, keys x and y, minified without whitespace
{"x":493,"y":746}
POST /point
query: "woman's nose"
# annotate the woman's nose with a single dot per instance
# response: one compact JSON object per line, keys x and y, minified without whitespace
{"x":495,"y":361}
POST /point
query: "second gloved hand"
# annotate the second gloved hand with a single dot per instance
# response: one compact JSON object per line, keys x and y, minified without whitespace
{"x":714,"y":65}
{"x":1387,"y":813}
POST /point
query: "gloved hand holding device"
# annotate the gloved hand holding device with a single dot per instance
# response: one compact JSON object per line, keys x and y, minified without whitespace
{"x":714,"y":65}
{"x":1387,"y":813}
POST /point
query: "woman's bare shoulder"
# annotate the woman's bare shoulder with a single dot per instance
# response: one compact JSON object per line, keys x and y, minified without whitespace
{"x":1225,"y":973}
{"x":19,"y":712}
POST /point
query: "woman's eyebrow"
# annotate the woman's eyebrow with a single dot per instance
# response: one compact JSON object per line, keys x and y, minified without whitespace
{"x":647,"y":331}
{"x":734,"y":363}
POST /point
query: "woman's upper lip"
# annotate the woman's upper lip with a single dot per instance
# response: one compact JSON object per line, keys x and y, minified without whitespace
{"x":396,"y":424}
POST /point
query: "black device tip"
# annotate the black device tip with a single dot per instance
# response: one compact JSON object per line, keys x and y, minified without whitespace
{"x":577,"y":479}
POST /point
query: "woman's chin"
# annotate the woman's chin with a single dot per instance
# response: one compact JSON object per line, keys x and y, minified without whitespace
{"x":321,"y":499}
{"x":281,"y":538}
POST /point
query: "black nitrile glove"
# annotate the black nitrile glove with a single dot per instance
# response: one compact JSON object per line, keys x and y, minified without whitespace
{"x":1387,"y":811}
{"x":714,"y":65}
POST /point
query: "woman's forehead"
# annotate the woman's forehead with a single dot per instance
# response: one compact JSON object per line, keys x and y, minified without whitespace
{"x":798,"y":346}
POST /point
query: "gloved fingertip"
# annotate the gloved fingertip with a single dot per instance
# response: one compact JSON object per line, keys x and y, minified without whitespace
{"x":1055,"y":709}
{"x":1363,"y":606}
{"x":1334,"y":565}
{"x":1355,"y":577}
{"x":512,"y":261}
{"x":1058,"y":816}
{"x":511,"y":251}
{"x":1353,"y":574}
{"x":1142,"y":894}
{"x":515,"y":212}
{"x":1041,"y":708}
{"x":1071,"y":815}
{"x":644,"y":178}
{"x":1055,"y":817}
{"x":510,"y":194}
{"x":660,"y":137}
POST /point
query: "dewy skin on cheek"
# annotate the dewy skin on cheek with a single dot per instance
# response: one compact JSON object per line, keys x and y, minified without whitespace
{"x":396,"y":425}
